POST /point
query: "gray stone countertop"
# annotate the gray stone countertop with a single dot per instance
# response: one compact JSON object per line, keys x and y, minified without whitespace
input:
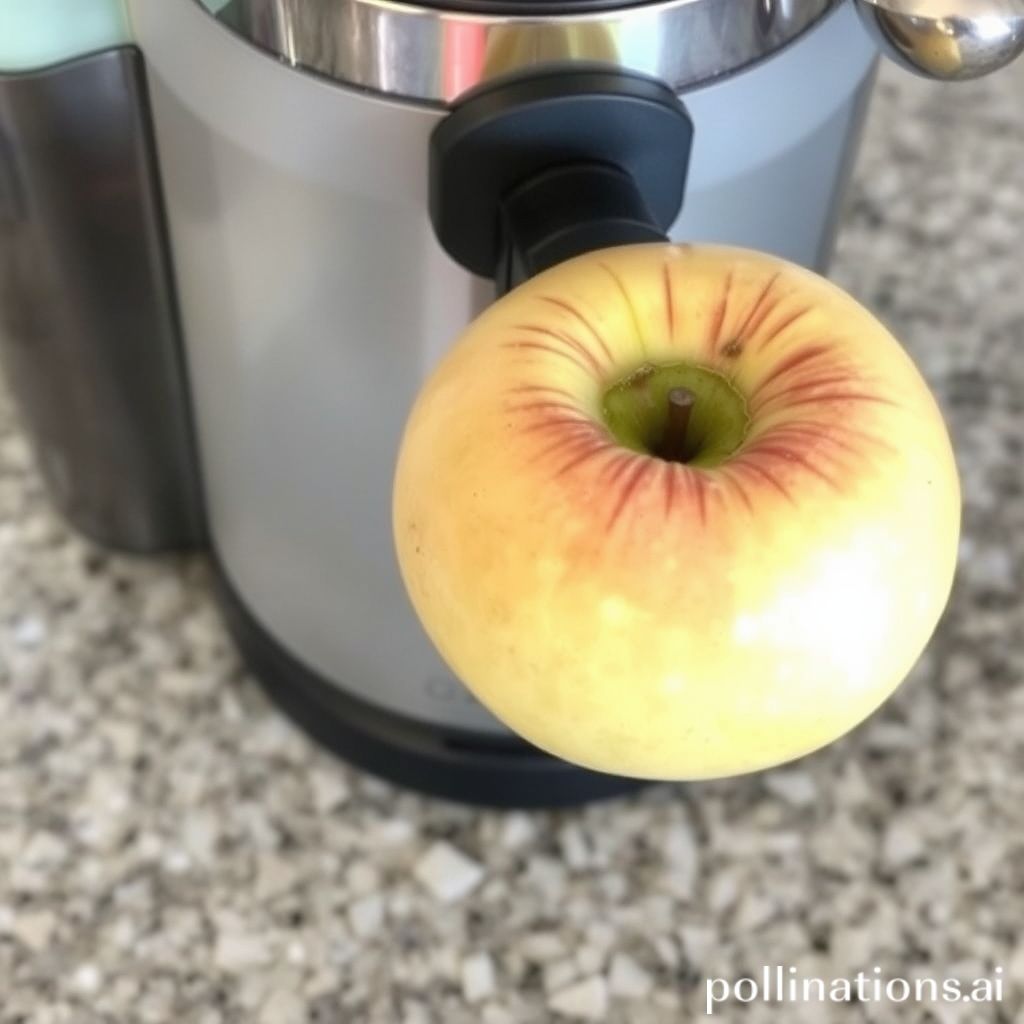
{"x":171,"y":850}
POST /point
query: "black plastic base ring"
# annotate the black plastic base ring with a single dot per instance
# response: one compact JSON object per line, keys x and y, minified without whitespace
{"x":470,"y":767}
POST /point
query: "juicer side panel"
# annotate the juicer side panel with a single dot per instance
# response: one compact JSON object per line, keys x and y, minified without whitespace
{"x":774,"y":147}
{"x":314,"y":300}
{"x":88,"y":335}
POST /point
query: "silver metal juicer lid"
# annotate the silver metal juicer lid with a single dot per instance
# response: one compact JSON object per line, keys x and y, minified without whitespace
{"x":432,"y":51}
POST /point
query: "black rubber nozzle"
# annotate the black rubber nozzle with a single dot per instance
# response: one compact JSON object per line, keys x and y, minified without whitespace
{"x":536,"y":169}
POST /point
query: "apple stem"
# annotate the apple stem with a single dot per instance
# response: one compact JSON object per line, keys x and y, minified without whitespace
{"x":674,"y":441}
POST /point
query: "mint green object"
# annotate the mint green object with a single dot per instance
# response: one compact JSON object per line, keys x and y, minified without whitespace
{"x":37,"y":33}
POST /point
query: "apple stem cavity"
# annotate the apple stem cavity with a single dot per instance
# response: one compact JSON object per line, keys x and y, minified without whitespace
{"x":678,"y":412}
{"x":674,"y":444}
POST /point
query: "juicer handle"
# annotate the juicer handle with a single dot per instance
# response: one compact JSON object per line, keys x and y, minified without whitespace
{"x":946,"y":39}
{"x":532,"y":170}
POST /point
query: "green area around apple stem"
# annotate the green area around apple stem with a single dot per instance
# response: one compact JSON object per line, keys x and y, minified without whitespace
{"x":678,"y":412}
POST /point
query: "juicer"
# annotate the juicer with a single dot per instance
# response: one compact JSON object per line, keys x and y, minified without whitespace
{"x":236,"y":235}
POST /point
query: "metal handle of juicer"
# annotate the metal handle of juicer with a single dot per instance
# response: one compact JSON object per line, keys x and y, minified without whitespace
{"x":946,"y":39}
{"x":532,"y":170}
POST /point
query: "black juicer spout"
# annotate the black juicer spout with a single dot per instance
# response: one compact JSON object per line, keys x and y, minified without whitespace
{"x":530,"y":171}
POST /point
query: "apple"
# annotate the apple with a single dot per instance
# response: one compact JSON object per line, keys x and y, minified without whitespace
{"x":677,"y":512}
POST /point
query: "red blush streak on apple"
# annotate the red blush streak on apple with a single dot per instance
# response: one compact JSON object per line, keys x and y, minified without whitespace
{"x":701,"y":488}
{"x":813,"y":433}
{"x":841,"y":396}
{"x":696,"y":488}
{"x":564,"y":424}
{"x":589,"y":451}
{"x":567,"y":339}
{"x":810,"y":439}
{"x":801,"y":387}
{"x":718,"y":318}
{"x":746,"y":327}
{"x":572,"y":451}
{"x":789,"y":364}
{"x":628,"y":487}
{"x":527,"y":406}
{"x":629,"y":304}
{"x":726,"y":472}
{"x":791,"y":455}
{"x":573,"y":442}
{"x":569,"y":308}
{"x":528,"y":389}
{"x":669,"y":305}
{"x":756,"y":322}
{"x":670,"y":486}
{"x":741,"y":491}
{"x":830,"y":432}
{"x":617,"y":466}
{"x":764,"y":474}
{"x":540,"y":346}
{"x":788,"y":322}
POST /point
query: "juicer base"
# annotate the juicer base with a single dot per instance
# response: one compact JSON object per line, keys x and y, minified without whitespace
{"x":457,"y":764}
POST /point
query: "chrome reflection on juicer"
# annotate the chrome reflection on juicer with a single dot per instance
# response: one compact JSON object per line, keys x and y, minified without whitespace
{"x":433,"y":52}
{"x":947,"y":39}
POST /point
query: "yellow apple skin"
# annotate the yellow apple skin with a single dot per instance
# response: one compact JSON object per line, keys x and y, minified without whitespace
{"x":648,"y":618}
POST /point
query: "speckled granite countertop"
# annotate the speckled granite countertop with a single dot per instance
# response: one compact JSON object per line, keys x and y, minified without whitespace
{"x":172,"y":850}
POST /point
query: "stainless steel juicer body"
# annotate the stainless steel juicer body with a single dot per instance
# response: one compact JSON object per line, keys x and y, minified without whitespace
{"x":312,"y":297}
{"x":432,"y":52}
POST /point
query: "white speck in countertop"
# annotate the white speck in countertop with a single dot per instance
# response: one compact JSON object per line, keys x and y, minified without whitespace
{"x":627,"y":979}
{"x":573,"y":845}
{"x":584,"y":1000}
{"x":199,"y":835}
{"x":283,"y":1006}
{"x":362,"y":877}
{"x":794,"y":786}
{"x":601,"y":935}
{"x":542,"y":947}
{"x":754,"y":910}
{"x":179,"y":683}
{"x":725,"y":890}
{"x":558,"y":973}
{"x":238,"y":952}
{"x":87,"y":979}
{"x":34,"y":928}
{"x":176,"y":861}
{"x":994,"y":567}
{"x":275,"y":875}
{"x":682,"y":859}
{"x":477,"y":977}
{"x":395,"y":832}
{"x":447,"y":873}
{"x":546,"y":875}
{"x":697,"y":941}
{"x":494,"y":1014}
{"x":902,"y":844}
{"x":666,"y":950}
{"x":517,"y":830}
{"x":415,"y":1012}
{"x":366,"y":915}
{"x":590,"y":959}
{"x":29,"y":631}
{"x":44,"y":850}
{"x":329,"y":789}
